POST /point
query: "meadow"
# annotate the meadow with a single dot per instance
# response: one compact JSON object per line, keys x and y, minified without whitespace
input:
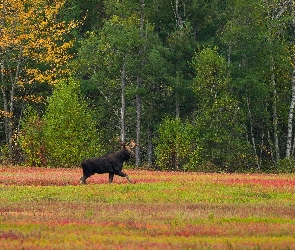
{"x":46,"y":208}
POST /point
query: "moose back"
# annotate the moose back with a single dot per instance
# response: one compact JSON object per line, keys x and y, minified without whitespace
{"x":111,"y":163}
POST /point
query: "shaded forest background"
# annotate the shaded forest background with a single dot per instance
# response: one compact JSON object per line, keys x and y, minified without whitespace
{"x":200,"y":85}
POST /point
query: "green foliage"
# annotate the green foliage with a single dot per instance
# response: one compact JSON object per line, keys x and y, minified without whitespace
{"x":69,"y":130}
{"x":236,"y":95}
{"x":221,"y":136}
{"x":256,"y":36}
{"x":176,"y":145}
{"x":286,"y":165}
{"x":219,"y":120}
{"x":4,"y":154}
{"x":31,"y":139}
{"x":211,"y":75}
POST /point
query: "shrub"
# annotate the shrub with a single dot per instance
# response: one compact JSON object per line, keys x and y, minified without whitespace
{"x":31,"y":139}
{"x":176,"y":147}
{"x":286,"y":165}
{"x":70,"y":133}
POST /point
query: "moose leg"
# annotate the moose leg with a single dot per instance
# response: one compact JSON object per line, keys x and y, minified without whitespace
{"x":127,"y":178}
{"x":124,"y":175}
{"x":111,"y":177}
{"x":86,"y":173}
{"x":83,"y":179}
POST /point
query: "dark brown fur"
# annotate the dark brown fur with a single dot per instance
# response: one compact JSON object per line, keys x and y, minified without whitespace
{"x":111,"y":163}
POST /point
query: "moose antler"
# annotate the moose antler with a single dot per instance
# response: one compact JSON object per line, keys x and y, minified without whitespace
{"x":132,"y":144}
{"x":123,"y":144}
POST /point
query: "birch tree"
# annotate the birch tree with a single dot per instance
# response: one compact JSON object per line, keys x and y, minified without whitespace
{"x":277,"y":14}
{"x":292,"y":103}
{"x":109,"y":58}
{"x":256,"y":35}
{"x":33,"y":49}
{"x":141,"y":55}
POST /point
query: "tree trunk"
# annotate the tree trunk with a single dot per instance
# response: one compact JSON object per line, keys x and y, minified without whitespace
{"x":177,"y":106}
{"x":275,"y":117}
{"x":8,"y":104}
{"x":178,"y":19}
{"x":290,"y":118}
{"x":278,"y":13}
{"x":8,"y":101}
{"x":7,"y":122}
{"x":139,"y":84}
{"x":123,"y":103}
{"x":178,"y":80}
{"x":229,"y":54}
{"x":149,"y":146}
{"x":179,"y":26}
{"x":292,"y":104}
{"x":138,"y":116}
{"x":252,"y":136}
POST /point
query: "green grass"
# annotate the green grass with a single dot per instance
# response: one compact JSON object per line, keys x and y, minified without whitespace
{"x":160,"y":210}
{"x":151,"y":192}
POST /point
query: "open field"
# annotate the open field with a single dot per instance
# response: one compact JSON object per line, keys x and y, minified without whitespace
{"x":43,"y":208}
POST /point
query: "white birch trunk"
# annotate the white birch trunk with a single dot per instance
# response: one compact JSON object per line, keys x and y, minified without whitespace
{"x":278,"y":13}
{"x":8,"y":100}
{"x":275,"y":117}
{"x":149,"y":146}
{"x":252,"y":136}
{"x":290,"y":118}
{"x":292,"y":104}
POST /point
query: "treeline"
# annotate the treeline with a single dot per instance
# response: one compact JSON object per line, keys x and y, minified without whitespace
{"x":200,"y":85}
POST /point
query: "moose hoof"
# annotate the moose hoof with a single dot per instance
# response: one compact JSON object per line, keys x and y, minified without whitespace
{"x":82,"y":181}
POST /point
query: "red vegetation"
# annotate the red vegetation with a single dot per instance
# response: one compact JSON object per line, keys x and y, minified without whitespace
{"x":265,"y":180}
{"x":35,"y":176}
{"x":170,"y":210}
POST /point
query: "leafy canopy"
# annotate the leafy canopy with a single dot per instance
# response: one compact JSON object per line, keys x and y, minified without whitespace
{"x":69,"y":130}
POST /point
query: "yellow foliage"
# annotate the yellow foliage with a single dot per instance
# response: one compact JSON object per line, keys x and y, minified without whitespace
{"x":5,"y":114}
{"x":30,"y":36}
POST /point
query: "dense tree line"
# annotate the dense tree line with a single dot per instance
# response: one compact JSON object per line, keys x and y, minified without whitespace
{"x":200,"y":85}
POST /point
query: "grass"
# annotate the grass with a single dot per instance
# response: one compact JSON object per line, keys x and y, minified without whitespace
{"x":43,"y":208}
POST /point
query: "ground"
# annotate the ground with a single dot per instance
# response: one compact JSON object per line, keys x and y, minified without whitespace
{"x":44,"y":208}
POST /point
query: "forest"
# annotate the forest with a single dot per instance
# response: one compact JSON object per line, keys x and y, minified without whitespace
{"x":200,"y":85}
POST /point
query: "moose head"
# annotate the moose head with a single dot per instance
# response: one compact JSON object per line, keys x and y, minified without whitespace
{"x":129,"y":147}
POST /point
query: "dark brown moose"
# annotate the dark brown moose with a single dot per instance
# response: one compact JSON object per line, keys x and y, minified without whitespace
{"x":111,"y":163}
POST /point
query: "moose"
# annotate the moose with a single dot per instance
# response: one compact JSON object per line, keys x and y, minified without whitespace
{"x":111,"y":163}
